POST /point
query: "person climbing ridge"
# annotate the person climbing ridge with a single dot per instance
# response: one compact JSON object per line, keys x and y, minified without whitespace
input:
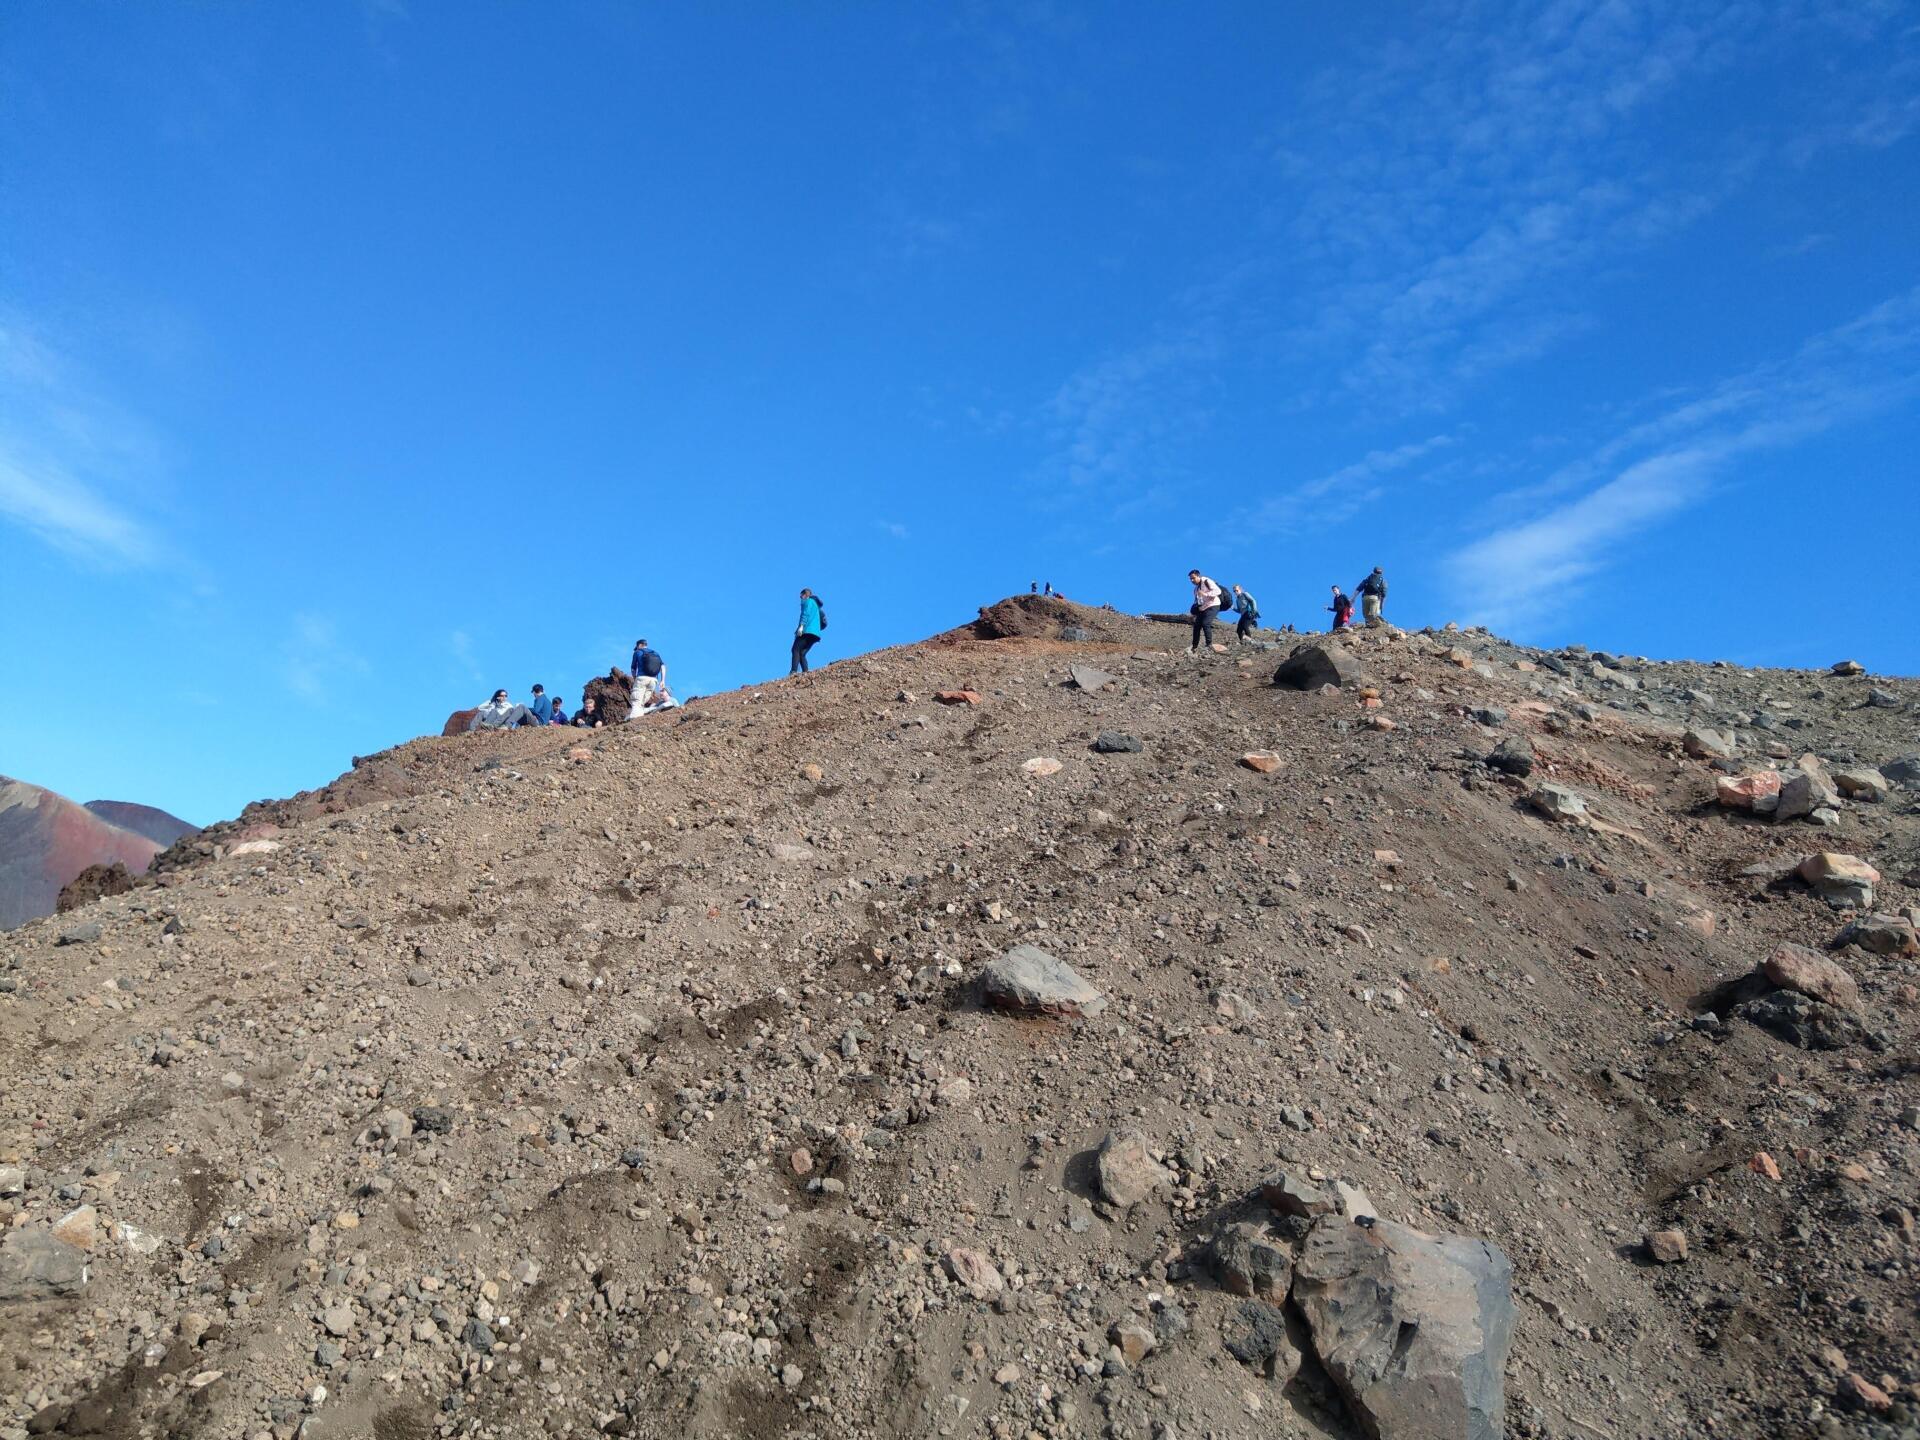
{"x":1373,"y":596}
{"x":1206,"y":604}
{"x":806,"y":634}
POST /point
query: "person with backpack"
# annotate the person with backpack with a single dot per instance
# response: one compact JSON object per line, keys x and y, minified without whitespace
{"x":806,"y":634}
{"x":1207,"y":596}
{"x":1249,"y":613}
{"x":649,"y":675}
{"x":1342,"y":608}
{"x":1373,"y":596}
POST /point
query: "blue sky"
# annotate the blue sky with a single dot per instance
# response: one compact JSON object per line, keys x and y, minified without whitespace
{"x":358,"y":358}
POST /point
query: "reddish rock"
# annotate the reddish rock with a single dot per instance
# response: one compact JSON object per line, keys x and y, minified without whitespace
{"x":458,"y":722}
{"x":1857,"y":1393}
{"x":1740,"y":792}
{"x":957,"y":697}
{"x":612,"y":694}
{"x":1764,"y":1165}
{"x":1794,"y":967}
{"x":1265,"y":761}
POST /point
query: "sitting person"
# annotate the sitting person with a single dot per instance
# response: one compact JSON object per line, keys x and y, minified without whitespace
{"x":559,"y":715}
{"x":501,"y":713}
{"x":588,"y":717}
{"x":651,"y":696}
{"x":541,"y":705}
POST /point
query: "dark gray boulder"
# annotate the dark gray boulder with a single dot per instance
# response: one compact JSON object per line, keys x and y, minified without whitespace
{"x":1113,"y":742}
{"x":35,"y":1266}
{"x":1412,"y":1328}
{"x":1316,"y":663}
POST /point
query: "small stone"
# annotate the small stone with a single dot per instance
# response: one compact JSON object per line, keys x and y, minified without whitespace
{"x":1794,"y":967}
{"x":337,"y":1320}
{"x":1266,"y":762}
{"x":1027,"y":978}
{"x":327,"y":1354}
{"x":78,"y":1228}
{"x":1839,"y":879}
{"x":1708,"y":744}
{"x":1745,"y":792}
{"x":1042,"y":765}
{"x":1114,"y":742}
{"x":1764,"y":1165}
{"x":1668,"y":1247}
{"x":977,"y":1274}
{"x":1849,"y":667}
{"x":1252,"y":1263}
{"x":1126,"y":1171}
{"x":1858,"y":1393}
{"x":1134,"y":1337}
{"x":790,"y":1376}
{"x":1290,"y":1193}
{"x":812,"y":772}
{"x":1557,"y":802}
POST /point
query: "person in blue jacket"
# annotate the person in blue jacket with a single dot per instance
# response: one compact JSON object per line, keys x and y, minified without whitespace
{"x":542,"y":705}
{"x":806,"y":634}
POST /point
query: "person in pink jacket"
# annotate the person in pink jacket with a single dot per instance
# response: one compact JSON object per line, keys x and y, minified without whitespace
{"x":1206,"y":605}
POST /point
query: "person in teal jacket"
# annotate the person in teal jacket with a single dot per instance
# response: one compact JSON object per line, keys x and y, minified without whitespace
{"x":813,"y":620}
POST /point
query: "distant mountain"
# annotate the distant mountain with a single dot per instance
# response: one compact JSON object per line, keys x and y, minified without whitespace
{"x":157,"y":825}
{"x":47,"y":839}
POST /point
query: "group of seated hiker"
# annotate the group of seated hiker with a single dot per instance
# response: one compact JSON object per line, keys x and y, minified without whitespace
{"x":501,"y":713}
{"x":650,"y":696}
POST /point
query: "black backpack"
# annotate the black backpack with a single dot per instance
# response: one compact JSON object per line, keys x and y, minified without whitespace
{"x":821,"y":606}
{"x":649,"y":663}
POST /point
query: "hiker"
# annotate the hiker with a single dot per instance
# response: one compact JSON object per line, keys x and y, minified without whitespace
{"x":588,"y":717}
{"x":806,"y":634}
{"x":1249,"y":609}
{"x":1373,"y":596}
{"x":559,"y":713}
{"x":653,"y":701}
{"x":1342,"y":608}
{"x":649,"y":676}
{"x":541,"y":705}
{"x":647,"y":664}
{"x":1206,"y":605}
{"x":501,"y":713}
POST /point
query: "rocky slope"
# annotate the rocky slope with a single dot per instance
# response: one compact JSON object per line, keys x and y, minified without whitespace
{"x":46,"y":840}
{"x":661,"y":1081}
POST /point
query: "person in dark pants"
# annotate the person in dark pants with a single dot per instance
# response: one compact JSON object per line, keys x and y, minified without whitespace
{"x":1249,"y":613}
{"x":1342,"y":608}
{"x":1373,"y":596}
{"x":806,"y":634}
{"x":1206,"y":605}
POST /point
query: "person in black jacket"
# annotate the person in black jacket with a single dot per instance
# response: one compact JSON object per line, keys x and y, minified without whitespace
{"x":588,"y":716}
{"x":1373,"y":596}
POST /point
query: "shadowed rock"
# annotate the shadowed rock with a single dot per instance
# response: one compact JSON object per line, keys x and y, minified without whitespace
{"x":1316,"y":663}
{"x":1413,"y":1328}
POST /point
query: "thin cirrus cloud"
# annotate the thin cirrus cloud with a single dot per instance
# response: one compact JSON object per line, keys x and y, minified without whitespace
{"x":1663,"y":466}
{"x":58,"y":445}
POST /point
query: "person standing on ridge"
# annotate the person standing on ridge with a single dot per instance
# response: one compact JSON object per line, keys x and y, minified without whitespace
{"x":1373,"y":596}
{"x":1249,"y":610}
{"x":649,"y":675}
{"x":1342,"y":608}
{"x":541,"y":705}
{"x":806,"y":634}
{"x":1206,"y":605}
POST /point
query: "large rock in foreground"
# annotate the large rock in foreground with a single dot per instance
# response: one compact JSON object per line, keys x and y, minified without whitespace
{"x":1317,"y":663}
{"x":1028,"y":979}
{"x":1413,"y":1328}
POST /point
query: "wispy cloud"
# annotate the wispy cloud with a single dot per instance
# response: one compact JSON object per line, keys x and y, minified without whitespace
{"x":1124,"y":415}
{"x":316,"y":663}
{"x":1339,"y":494}
{"x":461,"y":644}
{"x":61,"y":451}
{"x":892,"y":529}
{"x":1664,"y":465}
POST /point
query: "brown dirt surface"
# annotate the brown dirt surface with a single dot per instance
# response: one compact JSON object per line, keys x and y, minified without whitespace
{"x":637,"y":1082}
